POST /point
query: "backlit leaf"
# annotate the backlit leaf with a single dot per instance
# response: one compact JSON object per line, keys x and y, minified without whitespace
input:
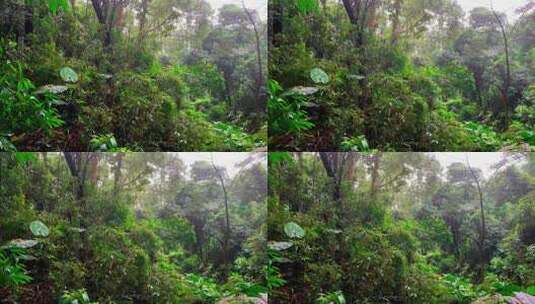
{"x":319,"y":76}
{"x":68,"y":75}
{"x":38,"y":228}
{"x":293,"y":230}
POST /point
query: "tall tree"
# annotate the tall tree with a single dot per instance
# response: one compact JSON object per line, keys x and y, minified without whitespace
{"x":336,"y":165}
{"x":507,"y":80}
{"x":226,"y":237}
{"x":260,"y":77}
{"x":110,"y":14}
{"x":483,"y":229}
{"x":362,"y":14}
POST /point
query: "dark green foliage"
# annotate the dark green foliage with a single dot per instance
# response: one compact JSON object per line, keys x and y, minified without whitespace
{"x":75,"y":79}
{"x":22,"y":109}
{"x":286,"y":110}
{"x":401,"y":229}
{"x":124,"y":239}
{"x":402,"y":75}
{"x":12,"y":273}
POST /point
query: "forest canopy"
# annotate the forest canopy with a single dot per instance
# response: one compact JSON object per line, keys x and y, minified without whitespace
{"x":445,"y":228}
{"x":401,"y":75}
{"x":81,"y":228}
{"x":131,"y":75}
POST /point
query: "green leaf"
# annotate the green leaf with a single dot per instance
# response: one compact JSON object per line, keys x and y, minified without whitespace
{"x":23,"y":243}
{"x":355,"y":77}
{"x":24,"y":157}
{"x":304,"y":90}
{"x":39,"y":229}
{"x":278,"y":157}
{"x":531,"y":290}
{"x":319,"y":76}
{"x":54,"y":4}
{"x":508,"y":289}
{"x":113,"y":142}
{"x":50,"y":88}
{"x":68,"y":75}
{"x":293,"y":230}
{"x":307,"y":6}
{"x":279,"y":246}
{"x":341,"y":298}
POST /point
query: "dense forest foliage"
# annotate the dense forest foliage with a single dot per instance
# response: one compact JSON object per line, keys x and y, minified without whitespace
{"x":401,"y":75}
{"x":401,"y":228}
{"x":138,"y":75}
{"x":80,"y":228}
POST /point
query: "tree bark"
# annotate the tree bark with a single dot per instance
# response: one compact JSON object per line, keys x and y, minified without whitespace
{"x":275,"y":10}
{"x":482,"y":233}
{"x":109,"y":14}
{"x":117,"y":174}
{"x":330,"y":163}
{"x":227,"y":217}
{"x":374,"y":187}
{"x":395,"y":22}
{"x":260,"y":76}
{"x":507,"y":82}
{"x":143,"y":19}
{"x":78,"y":163}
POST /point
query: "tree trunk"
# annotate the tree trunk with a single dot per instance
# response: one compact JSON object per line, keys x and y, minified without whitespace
{"x":117,"y":174}
{"x":482,"y":232}
{"x":395,"y":22}
{"x":275,"y":22}
{"x":260,"y":76}
{"x":227,"y":218}
{"x":78,"y":163}
{"x":507,"y":82}
{"x":143,"y":19}
{"x":374,"y":187}
{"x":93,"y":168}
{"x":330,"y":163}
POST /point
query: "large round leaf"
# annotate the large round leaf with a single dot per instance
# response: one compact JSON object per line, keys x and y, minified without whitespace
{"x":38,"y":228}
{"x":68,"y":75}
{"x":293,"y":230}
{"x":319,"y":76}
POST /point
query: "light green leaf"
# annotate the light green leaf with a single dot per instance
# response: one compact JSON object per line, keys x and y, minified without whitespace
{"x":68,"y":75}
{"x":304,"y":90}
{"x":319,"y":76}
{"x":23,"y":243}
{"x":113,"y":142}
{"x":278,"y":157}
{"x":341,"y":299}
{"x":50,"y":88}
{"x":39,"y":229}
{"x":307,"y":6}
{"x":355,"y":77}
{"x":279,"y":246}
{"x":24,"y":157}
{"x":54,"y":4}
{"x":293,"y":230}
